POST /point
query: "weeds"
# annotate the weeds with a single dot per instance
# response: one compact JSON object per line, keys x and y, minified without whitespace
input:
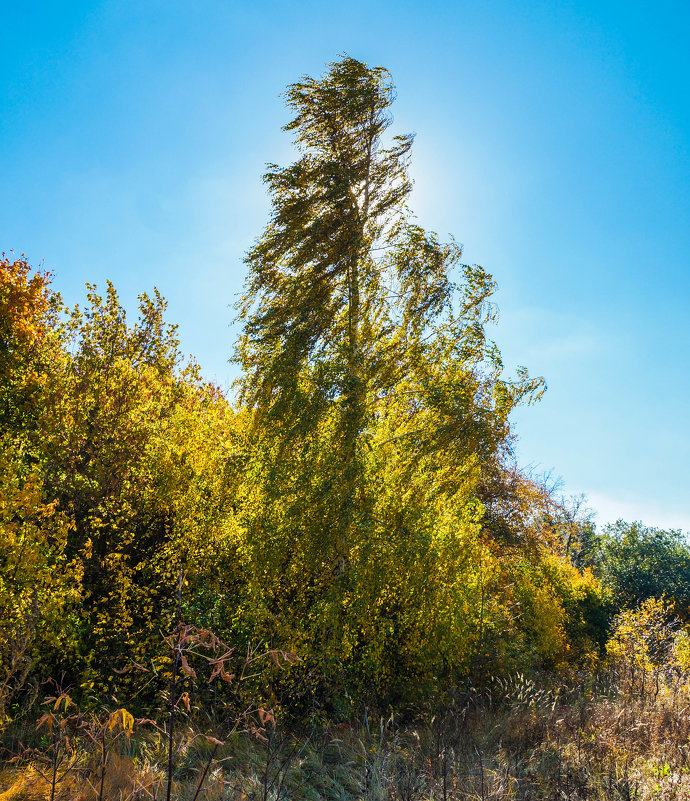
{"x":619,"y":731}
{"x":592,"y":749}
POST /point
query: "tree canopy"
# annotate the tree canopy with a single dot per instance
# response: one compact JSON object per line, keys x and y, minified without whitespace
{"x":378,"y":403}
{"x":636,"y":562}
{"x":356,"y":504}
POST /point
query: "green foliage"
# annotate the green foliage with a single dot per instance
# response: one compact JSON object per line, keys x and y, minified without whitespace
{"x":111,"y":397}
{"x":636,"y":562}
{"x":357,"y":516}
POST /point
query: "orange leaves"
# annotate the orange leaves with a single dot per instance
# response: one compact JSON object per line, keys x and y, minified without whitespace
{"x":190,"y":642}
{"x":24,"y":303}
{"x":28,"y":339}
{"x":150,"y":722}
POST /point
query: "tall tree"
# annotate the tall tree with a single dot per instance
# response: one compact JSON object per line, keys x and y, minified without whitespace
{"x":344,"y":289}
{"x":313,"y":279}
{"x":377,"y":400}
{"x":311,"y":274}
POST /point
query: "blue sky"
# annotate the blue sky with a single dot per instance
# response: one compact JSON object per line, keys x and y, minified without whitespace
{"x":552,"y":141}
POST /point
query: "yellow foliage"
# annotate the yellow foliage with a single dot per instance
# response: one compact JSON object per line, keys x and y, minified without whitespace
{"x":642,"y":644}
{"x":121,"y":718}
{"x":396,"y":558}
{"x":681,"y":646}
{"x":39,"y":585}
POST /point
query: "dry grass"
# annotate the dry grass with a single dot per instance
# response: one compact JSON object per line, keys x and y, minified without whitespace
{"x":521,"y":743}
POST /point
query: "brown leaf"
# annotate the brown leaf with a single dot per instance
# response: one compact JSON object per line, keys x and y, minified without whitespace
{"x":186,"y":668}
{"x":226,"y":676}
{"x":47,"y":719}
{"x":217,"y":667}
{"x":258,"y":733}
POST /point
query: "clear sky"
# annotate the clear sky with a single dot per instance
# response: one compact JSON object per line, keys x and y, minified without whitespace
{"x":552,"y":141}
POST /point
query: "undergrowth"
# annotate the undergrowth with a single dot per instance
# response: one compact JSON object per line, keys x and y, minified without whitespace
{"x":615,"y":730}
{"x":517,"y":740}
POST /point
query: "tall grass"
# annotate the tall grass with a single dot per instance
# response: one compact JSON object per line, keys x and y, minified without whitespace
{"x":616,"y":731}
{"x":522,"y":739}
